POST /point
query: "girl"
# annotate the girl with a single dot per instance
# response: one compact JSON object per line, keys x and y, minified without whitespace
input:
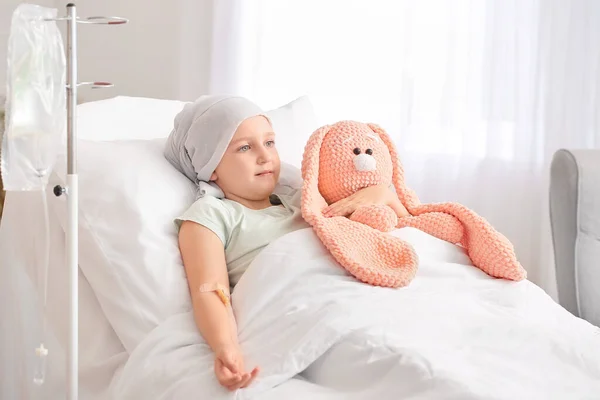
{"x":226,"y":145}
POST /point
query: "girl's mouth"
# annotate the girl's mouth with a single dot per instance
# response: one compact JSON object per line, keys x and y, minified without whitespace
{"x":265,"y":173}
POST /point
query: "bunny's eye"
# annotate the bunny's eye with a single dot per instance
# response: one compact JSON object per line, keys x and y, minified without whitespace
{"x":369,"y":151}
{"x":356,"y":151}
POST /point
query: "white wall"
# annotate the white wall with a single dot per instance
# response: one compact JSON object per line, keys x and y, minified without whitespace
{"x":163,"y":52}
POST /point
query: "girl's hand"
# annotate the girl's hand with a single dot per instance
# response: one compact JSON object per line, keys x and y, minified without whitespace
{"x":377,"y":194}
{"x":229,"y":368}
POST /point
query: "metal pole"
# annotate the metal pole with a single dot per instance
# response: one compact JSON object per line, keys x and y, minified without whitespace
{"x":72,"y":202}
{"x":71,"y":88}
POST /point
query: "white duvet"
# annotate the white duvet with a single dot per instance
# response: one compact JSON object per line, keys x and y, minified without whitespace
{"x":454,"y":333}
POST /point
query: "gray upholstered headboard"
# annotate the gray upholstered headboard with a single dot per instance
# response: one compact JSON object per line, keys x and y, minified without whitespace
{"x":575,"y":220}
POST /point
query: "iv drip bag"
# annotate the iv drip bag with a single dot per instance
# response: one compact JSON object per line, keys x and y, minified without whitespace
{"x":36,"y":99}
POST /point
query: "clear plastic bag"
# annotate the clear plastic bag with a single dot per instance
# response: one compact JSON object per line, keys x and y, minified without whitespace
{"x":35,"y":124}
{"x":36,"y":99}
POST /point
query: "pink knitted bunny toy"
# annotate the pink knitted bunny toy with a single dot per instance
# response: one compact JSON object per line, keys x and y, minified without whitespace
{"x":342,"y":158}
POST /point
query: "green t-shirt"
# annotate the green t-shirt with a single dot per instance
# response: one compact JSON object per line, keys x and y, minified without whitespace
{"x":243,"y":231}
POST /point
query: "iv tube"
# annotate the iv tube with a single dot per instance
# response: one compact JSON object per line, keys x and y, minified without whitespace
{"x":41,"y":352}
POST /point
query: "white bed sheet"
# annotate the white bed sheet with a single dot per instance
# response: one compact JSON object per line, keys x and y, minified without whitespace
{"x":454,"y":333}
{"x":298,"y":388}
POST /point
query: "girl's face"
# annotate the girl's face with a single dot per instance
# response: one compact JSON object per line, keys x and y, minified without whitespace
{"x":249,"y":169}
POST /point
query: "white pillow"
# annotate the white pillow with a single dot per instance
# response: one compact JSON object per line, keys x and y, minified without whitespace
{"x":293,"y":124}
{"x":129,"y":196}
{"x":124,"y":118}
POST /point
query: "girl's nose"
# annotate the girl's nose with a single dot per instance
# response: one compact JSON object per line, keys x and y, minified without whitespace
{"x":264,"y":156}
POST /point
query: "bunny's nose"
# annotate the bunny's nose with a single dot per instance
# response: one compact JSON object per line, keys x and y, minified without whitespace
{"x":365,"y":162}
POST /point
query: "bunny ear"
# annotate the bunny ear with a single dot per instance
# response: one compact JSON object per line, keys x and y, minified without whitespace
{"x":312,"y":201}
{"x":407,"y":196}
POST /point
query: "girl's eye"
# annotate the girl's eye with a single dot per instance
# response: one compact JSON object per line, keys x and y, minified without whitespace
{"x":244,"y":148}
{"x":270,"y":143}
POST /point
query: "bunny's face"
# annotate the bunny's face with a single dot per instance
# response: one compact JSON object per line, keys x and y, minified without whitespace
{"x":352,"y":156}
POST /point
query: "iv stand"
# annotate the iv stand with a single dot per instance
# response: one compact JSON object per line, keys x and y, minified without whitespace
{"x":72,"y":189}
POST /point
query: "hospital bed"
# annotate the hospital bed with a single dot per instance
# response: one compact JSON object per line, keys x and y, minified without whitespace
{"x":315,"y":332}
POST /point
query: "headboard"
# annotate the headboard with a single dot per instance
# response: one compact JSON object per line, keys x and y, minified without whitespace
{"x":575,"y":219}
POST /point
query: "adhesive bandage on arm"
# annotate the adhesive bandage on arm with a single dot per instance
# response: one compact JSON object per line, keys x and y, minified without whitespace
{"x":223,"y":293}
{"x":220,"y":290}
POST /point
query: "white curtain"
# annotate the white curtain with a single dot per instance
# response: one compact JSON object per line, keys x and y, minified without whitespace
{"x":477,"y":94}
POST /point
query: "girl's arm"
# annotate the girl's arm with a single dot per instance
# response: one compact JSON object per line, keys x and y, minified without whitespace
{"x":204,"y":261}
{"x":397,"y":206}
{"x":377,"y":194}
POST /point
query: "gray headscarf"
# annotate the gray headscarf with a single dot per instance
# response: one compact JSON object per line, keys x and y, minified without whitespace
{"x":202,"y":131}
